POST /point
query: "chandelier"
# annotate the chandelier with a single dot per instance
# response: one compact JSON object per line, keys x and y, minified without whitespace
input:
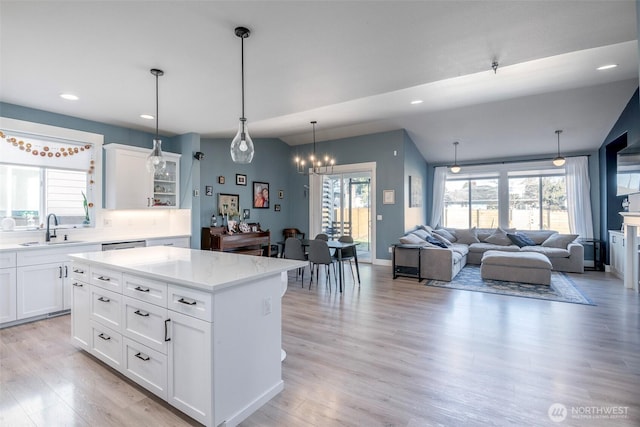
{"x":315,"y":164}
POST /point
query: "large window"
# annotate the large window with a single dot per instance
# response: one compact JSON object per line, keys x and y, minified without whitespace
{"x":43,"y":175}
{"x":516,"y":197}
{"x":471,"y":203}
{"x":538,"y":203}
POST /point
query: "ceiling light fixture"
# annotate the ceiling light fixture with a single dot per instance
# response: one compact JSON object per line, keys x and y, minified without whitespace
{"x":456,"y":167}
{"x":494,"y":66}
{"x":559,"y":160}
{"x":147,"y":116}
{"x":417,"y":101}
{"x":156,"y":162}
{"x":69,"y":96}
{"x":607,"y":67}
{"x":242,"y":146}
{"x":317,"y":166}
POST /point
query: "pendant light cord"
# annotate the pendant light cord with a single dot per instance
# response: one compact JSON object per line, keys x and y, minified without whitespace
{"x":242,"y":71}
{"x":157,"y":109}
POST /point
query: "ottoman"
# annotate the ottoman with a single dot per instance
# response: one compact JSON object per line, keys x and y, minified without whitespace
{"x":525,"y":267}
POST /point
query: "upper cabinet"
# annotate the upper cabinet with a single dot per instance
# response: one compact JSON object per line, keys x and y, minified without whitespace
{"x":130,"y":186}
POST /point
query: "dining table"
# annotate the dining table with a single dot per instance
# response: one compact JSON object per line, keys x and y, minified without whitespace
{"x":338,"y":247}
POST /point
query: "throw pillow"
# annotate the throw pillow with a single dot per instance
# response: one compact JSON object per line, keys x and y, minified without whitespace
{"x":499,"y":237}
{"x":436,"y":242}
{"x":560,"y":241}
{"x":426,"y":228}
{"x":442,"y":240}
{"x":521,"y":240}
{"x":445,"y":233}
{"x":411,"y":239}
{"x":467,"y":236}
{"x":421,"y":234}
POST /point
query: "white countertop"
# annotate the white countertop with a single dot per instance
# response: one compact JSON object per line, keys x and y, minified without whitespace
{"x":206,"y":270}
{"x":84,"y":240}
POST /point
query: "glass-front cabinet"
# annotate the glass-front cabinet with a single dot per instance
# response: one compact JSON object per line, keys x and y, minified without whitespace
{"x":130,"y":186}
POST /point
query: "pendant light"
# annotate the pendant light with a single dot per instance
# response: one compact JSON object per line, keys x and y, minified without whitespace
{"x":455,"y":168}
{"x":242,"y":146}
{"x":156,"y":162}
{"x":559,"y":160}
{"x":317,"y":165}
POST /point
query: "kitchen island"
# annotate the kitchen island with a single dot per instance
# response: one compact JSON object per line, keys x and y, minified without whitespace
{"x":200,"y":329}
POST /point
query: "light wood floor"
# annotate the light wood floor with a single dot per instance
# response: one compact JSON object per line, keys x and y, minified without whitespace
{"x":391,"y":353}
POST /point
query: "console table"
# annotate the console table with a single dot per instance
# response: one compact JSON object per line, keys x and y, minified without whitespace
{"x":216,"y":239}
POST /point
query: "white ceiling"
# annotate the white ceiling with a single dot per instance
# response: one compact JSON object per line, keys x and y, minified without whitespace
{"x":354,"y":66}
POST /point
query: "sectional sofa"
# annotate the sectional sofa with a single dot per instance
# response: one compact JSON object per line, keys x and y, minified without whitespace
{"x":441,"y":253}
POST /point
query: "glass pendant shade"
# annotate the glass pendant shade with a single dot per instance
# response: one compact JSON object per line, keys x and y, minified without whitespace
{"x":559,"y":161}
{"x":455,"y":169}
{"x":242,"y":146}
{"x":155,"y":161}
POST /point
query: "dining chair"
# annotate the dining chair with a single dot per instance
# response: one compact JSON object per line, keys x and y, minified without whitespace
{"x":347,"y":255}
{"x":292,"y":232}
{"x":293,"y":250}
{"x":319,"y":254}
{"x":322,"y":236}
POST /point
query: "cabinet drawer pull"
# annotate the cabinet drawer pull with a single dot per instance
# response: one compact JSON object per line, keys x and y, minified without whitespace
{"x":66,"y":271}
{"x":104,"y":337}
{"x":166,"y":330}
{"x":60,"y":272}
{"x":140,"y":313}
{"x":138,"y":288}
{"x":106,"y":279}
{"x":142,"y":357}
{"x":103,"y":299}
{"x":77,"y":270}
{"x":188,"y":302}
{"x":79,"y":285}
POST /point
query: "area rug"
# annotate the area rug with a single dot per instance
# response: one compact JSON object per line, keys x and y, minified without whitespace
{"x":562,"y":288}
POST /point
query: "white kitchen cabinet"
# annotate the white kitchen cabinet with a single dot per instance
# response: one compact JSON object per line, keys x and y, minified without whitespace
{"x":7,"y":294}
{"x":130,"y":186}
{"x":81,"y":302}
{"x":190,"y":353}
{"x":43,"y":280}
{"x":617,"y":253}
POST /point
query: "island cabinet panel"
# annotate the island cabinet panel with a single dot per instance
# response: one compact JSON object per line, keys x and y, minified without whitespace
{"x":201,"y":329}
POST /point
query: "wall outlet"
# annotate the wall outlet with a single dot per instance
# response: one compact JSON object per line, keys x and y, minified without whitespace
{"x":107,"y":222}
{"x":196,"y":193}
{"x":390,"y":250}
{"x":379,"y":217}
{"x":266,"y":306}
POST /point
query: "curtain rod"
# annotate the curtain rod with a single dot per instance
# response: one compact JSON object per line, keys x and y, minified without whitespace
{"x":504,"y":162}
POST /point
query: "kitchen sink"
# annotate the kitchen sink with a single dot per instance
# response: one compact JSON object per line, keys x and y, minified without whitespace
{"x":63,"y":242}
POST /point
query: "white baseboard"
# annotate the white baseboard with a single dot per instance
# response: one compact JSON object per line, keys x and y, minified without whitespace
{"x":379,"y":261}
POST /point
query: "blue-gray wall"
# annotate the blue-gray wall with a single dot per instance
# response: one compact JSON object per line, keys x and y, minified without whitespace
{"x":628,"y":123}
{"x":415,"y":167}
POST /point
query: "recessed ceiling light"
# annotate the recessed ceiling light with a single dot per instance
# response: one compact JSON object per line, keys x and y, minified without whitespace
{"x":416,"y":102}
{"x":69,"y":96}
{"x":147,"y":116}
{"x":607,"y":67}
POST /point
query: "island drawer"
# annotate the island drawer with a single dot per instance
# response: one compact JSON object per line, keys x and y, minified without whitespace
{"x":106,"y":307}
{"x":80,"y":272}
{"x":106,"y":345}
{"x":191,"y":302}
{"x":146,"y":366}
{"x":145,"y":323}
{"x":143,"y":289}
{"x":106,"y":278}
{"x":7,"y":259}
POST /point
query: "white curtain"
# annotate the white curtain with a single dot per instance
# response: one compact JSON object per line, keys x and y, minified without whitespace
{"x":579,"y":197}
{"x":439,"y":180}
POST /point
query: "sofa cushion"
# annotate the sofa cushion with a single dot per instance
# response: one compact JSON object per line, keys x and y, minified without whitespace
{"x":560,"y":241}
{"x":421,"y":234}
{"x":547,"y":251}
{"x":426,"y":228}
{"x":460,"y":248}
{"x":411,"y":239}
{"x":520,"y":239}
{"x":499,"y":237}
{"x":467,"y":236}
{"x":445,"y":233}
{"x":442,"y":239}
{"x":483,"y":247}
{"x":538,"y":236}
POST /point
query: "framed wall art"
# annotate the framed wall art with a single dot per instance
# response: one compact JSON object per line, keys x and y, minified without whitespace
{"x":208,"y":190}
{"x":415,"y":191}
{"x":276,"y":207}
{"x":228,"y":204}
{"x":241,"y":179}
{"x":388,"y":197}
{"x":221,"y":179}
{"x":260,"y":195}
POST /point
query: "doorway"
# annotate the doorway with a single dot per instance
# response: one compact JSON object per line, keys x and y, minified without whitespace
{"x":345,"y":206}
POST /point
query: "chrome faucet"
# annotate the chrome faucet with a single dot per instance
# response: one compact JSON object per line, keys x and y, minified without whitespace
{"x":48,"y":236}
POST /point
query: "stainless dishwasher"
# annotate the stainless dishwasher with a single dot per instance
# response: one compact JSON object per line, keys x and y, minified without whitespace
{"x":123,"y":245}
